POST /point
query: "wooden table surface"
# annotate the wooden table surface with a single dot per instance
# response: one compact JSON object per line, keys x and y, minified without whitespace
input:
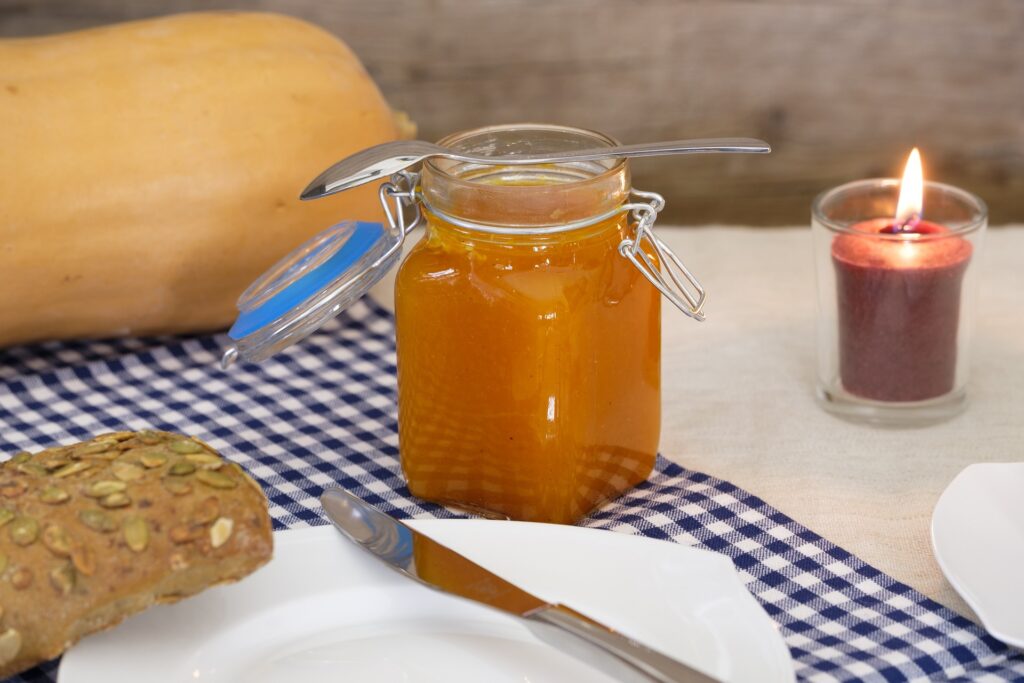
{"x":739,"y":399}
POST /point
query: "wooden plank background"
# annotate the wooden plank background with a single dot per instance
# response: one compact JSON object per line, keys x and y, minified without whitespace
{"x":841,"y":88}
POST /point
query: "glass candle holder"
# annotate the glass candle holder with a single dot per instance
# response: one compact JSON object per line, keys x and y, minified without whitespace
{"x":895,"y":306}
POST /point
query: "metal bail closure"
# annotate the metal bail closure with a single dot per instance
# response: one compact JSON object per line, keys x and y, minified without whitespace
{"x":681,"y":287}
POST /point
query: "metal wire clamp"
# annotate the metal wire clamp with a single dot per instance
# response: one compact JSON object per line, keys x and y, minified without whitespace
{"x":681,"y":288}
{"x":397,"y":195}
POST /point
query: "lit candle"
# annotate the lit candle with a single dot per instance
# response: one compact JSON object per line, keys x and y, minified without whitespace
{"x":898,"y":287}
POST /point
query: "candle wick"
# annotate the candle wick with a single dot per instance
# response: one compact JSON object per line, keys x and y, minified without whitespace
{"x":909,"y":224}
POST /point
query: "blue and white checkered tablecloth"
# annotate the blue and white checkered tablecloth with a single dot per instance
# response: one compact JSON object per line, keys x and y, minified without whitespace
{"x":323,"y":413}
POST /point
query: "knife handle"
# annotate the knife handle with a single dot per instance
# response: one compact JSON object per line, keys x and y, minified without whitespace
{"x":599,"y":639}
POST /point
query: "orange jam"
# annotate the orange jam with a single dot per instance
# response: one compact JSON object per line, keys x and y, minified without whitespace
{"x":528,"y":361}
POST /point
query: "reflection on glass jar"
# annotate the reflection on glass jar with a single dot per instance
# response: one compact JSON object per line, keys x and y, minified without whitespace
{"x":528,"y":347}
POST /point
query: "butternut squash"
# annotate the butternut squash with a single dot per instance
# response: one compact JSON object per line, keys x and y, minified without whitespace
{"x":151,"y":170}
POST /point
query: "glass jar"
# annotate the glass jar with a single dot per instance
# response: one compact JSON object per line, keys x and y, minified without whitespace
{"x":529,"y":349}
{"x":528,"y":320}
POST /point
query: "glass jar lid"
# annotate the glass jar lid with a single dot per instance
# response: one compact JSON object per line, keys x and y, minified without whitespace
{"x":309,"y":286}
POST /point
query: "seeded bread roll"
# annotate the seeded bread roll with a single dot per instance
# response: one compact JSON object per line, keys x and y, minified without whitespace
{"x":94,"y":532}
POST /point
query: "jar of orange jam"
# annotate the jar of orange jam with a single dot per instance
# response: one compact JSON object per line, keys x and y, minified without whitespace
{"x":528,"y":323}
{"x":529,"y":350}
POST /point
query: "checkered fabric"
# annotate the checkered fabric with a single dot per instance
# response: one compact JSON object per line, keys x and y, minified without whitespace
{"x":323,"y":414}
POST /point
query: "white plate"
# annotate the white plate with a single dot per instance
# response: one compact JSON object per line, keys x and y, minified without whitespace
{"x":325,"y":610}
{"x":978,"y":537}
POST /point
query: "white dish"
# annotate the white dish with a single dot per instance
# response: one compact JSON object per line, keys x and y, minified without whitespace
{"x":325,"y":610}
{"x":978,"y":537}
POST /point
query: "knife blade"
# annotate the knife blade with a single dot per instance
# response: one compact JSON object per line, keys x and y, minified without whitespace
{"x":422,"y":559}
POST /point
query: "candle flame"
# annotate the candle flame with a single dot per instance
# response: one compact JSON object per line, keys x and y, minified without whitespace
{"x":910,"y":204}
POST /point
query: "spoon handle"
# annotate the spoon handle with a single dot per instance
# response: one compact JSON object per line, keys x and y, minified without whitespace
{"x":648,"y":149}
{"x":380,"y":161}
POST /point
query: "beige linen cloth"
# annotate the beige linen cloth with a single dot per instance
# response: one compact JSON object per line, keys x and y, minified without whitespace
{"x":739,"y":398}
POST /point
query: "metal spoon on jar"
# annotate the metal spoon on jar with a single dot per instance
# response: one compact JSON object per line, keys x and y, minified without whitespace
{"x":380,"y":161}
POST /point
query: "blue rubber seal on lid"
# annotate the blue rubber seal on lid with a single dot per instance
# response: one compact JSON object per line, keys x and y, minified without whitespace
{"x":363,"y":238}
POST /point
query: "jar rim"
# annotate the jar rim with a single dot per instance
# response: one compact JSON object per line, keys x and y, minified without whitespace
{"x":527,"y":185}
{"x":453,"y":139}
{"x":978,"y":208}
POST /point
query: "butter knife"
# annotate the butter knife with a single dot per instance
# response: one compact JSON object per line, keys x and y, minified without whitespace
{"x":427,"y":561}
